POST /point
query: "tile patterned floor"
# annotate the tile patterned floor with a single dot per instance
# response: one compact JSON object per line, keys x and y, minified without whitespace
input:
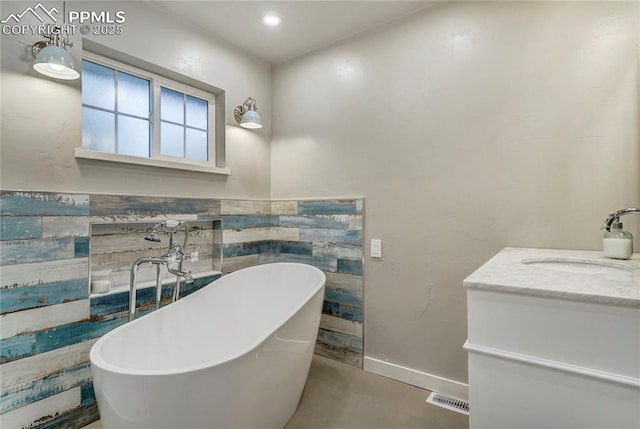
{"x":339,"y":396}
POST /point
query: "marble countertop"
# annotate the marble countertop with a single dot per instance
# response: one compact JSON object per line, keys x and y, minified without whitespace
{"x":569,"y":274}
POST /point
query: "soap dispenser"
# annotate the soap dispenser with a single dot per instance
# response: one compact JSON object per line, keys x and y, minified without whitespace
{"x":616,"y":243}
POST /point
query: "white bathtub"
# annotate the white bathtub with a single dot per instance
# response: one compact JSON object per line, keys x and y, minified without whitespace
{"x":235,"y":354}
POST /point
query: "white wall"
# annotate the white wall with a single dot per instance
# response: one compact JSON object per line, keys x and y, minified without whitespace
{"x":41,"y":117}
{"x":468,"y":127}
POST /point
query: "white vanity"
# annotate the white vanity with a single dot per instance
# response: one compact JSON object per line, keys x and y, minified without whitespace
{"x":554,"y":341}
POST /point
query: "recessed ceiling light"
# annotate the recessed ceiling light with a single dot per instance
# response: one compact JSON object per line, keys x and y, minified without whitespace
{"x":271,"y":20}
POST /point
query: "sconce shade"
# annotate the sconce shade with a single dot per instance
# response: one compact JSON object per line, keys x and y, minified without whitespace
{"x":55,"y":61}
{"x":251,"y":119}
{"x":247,"y":116}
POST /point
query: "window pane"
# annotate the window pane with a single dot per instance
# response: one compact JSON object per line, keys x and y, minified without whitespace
{"x":196,"y":112}
{"x":98,"y":85}
{"x":98,"y":130}
{"x":172,"y":140}
{"x":133,"y":95}
{"x":172,"y":106}
{"x":196,"y":144}
{"x":133,"y":136}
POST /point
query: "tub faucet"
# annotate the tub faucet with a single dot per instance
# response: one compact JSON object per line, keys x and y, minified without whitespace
{"x":172,"y":259}
{"x":613,"y":217}
{"x":176,"y":256}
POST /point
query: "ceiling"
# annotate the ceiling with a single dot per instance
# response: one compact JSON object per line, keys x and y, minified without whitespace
{"x":306,"y":24}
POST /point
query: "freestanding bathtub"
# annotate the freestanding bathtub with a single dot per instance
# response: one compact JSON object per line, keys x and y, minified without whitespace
{"x":235,"y":354}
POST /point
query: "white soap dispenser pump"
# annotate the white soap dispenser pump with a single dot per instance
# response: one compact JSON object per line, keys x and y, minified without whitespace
{"x":616,"y":243}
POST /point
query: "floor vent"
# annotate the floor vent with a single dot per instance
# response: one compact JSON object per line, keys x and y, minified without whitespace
{"x":449,"y":403}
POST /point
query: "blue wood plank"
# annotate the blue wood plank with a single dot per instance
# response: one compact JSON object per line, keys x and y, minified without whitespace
{"x":231,"y":250}
{"x":103,"y":305}
{"x":336,"y":250}
{"x":343,"y":311}
{"x":20,"y":227}
{"x":340,"y":340}
{"x":315,"y":221}
{"x":22,"y":298}
{"x":295,"y":247}
{"x":81,"y":247}
{"x":16,"y":347}
{"x":331,"y":308}
{"x":254,"y":247}
{"x":343,"y":296}
{"x":87,"y":394}
{"x":249,"y":221}
{"x":351,"y":312}
{"x":198,"y":283}
{"x":43,"y":204}
{"x":108,"y":304}
{"x":22,"y":394}
{"x":327,"y":207}
{"x":353,"y":237}
{"x":349,"y":266}
{"x":25,"y":251}
{"x":74,"y":333}
{"x":78,"y":417}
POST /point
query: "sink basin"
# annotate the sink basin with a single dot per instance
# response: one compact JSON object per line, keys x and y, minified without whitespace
{"x":579,"y":266}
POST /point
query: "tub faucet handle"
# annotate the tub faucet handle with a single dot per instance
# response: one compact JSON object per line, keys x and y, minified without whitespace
{"x":188,"y":278}
{"x":193,"y":257}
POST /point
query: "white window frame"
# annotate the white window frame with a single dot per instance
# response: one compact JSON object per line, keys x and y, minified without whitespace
{"x":156,"y":159}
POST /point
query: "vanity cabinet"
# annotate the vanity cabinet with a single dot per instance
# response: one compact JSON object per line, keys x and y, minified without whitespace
{"x":554,"y":345}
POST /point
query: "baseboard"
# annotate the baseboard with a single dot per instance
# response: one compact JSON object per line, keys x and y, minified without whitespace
{"x":417,"y":378}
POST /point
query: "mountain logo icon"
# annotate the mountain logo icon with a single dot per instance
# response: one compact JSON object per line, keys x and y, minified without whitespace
{"x":38,"y":11}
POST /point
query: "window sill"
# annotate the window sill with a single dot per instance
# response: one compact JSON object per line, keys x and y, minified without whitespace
{"x":127,"y":159}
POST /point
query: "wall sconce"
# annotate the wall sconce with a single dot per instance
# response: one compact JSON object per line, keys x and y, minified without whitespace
{"x":52,"y":58}
{"x":246,"y":114}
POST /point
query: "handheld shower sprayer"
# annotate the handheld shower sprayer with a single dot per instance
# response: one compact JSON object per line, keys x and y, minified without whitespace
{"x":153,"y":235}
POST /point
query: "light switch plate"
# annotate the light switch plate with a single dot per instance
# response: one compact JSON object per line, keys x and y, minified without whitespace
{"x":376,"y":248}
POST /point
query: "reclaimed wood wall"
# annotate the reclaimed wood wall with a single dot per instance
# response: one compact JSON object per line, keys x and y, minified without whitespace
{"x":50,"y":243}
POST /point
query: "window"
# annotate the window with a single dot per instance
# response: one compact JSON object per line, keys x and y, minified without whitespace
{"x":116,"y":111}
{"x":134,"y":116}
{"x":183,"y":125}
